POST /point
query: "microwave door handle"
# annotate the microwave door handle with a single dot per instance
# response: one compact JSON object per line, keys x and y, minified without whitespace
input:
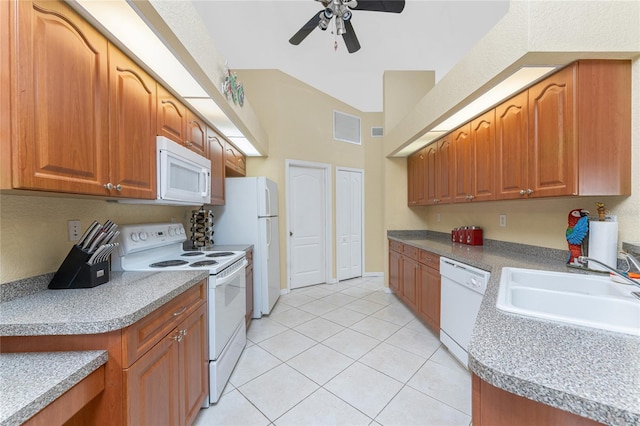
{"x":205,"y":176}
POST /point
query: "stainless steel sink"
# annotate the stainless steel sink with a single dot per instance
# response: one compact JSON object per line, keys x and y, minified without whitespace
{"x":586,"y":300}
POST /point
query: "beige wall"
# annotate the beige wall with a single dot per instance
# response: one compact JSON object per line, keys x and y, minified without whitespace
{"x":299,"y":122}
{"x":33,"y":229}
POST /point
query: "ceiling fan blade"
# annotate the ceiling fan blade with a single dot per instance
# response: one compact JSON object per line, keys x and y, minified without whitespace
{"x":393,"y":6}
{"x":350,"y":39}
{"x":305,"y":30}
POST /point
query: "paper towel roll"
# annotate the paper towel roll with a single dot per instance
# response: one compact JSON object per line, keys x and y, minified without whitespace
{"x":603,"y":244}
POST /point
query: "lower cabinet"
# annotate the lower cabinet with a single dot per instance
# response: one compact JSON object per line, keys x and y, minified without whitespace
{"x":157,"y":371}
{"x":414,"y":276}
{"x":492,"y":406}
{"x":167,"y":384}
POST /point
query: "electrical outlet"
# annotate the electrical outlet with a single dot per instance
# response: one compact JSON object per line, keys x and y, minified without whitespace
{"x":503,"y":220}
{"x":74,"y":230}
{"x":437,"y":217}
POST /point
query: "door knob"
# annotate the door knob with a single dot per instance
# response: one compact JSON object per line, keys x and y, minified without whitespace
{"x":290,"y":234}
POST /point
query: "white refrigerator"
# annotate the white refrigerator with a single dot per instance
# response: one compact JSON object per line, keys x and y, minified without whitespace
{"x":250,"y":216}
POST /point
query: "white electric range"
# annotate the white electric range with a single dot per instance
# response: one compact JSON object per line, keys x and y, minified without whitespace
{"x":159,"y":247}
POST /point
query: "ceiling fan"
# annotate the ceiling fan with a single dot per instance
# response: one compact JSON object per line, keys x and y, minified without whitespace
{"x":341,"y":11}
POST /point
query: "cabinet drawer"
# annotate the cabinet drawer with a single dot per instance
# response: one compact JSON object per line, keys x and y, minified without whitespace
{"x":410,"y":251}
{"x":395,"y":246}
{"x":432,"y":260}
{"x":144,"y":334}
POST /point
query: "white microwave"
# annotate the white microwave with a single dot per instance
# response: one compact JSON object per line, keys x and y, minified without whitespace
{"x":184,"y":177}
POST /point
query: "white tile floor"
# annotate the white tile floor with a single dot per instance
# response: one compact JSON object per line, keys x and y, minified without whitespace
{"x":343,"y":354}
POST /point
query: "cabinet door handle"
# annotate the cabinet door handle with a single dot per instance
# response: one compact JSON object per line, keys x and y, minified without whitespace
{"x":180,"y":312}
{"x":108,"y":185}
{"x":177,"y":337}
{"x":529,"y":191}
{"x":118,"y":187}
{"x":523,"y":192}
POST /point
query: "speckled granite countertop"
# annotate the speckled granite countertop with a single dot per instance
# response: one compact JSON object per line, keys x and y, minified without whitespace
{"x":591,"y":373}
{"x":126,"y":298}
{"x":49,"y":375}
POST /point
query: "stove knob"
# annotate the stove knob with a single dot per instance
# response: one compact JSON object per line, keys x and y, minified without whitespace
{"x":143,"y":236}
{"x":181,"y":230}
{"x":134,"y":238}
{"x":172,"y":232}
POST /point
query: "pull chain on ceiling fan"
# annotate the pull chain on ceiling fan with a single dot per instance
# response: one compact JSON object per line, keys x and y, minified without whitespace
{"x":341,"y":11}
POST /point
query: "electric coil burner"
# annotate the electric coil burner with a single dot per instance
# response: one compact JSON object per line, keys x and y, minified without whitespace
{"x":168,"y":263}
{"x":159,"y":248}
{"x":220,"y":254}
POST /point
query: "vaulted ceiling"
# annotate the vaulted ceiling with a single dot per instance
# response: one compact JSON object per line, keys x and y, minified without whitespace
{"x":427,"y":35}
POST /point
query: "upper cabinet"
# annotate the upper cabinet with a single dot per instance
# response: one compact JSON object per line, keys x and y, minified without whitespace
{"x":61,"y":101}
{"x":512,"y":147}
{"x":132,"y":133}
{"x":216,"y":155}
{"x":172,"y":116}
{"x":82,"y":117}
{"x":567,"y":135}
{"x":552,"y":143}
{"x":417,"y":182}
{"x":235,"y":162}
{"x":196,"y":134}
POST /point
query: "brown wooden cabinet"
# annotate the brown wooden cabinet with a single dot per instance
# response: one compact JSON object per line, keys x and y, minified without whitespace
{"x":196,"y":134}
{"x":492,"y":406}
{"x":567,"y":135}
{"x":417,"y":184}
{"x":462,"y":163}
{"x":444,"y":171}
{"x":428,"y":306}
{"x":168,"y":383}
{"x":552,"y":144}
{"x":483,"y":161}
{"x":151,"y":376}
{"x":60,"y":89}
{"x":235,"y":162}
{"x":414,"y":276}
{"x":132,"y":132}
{"x":249,"y":289}
{"x":216,"y":155}
{"x":395,"y":267}
{"x":512,"y":147}
{"x":172,"y":116}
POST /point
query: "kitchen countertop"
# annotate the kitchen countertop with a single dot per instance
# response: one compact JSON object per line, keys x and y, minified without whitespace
{"x":591,"y":373}
{"x":49,"y":375}
{"x":126,"y":298}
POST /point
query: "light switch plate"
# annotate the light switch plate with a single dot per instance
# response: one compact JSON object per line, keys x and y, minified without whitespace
{"x":503,"y":220}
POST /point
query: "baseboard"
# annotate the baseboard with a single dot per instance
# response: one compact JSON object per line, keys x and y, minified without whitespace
{"x":388,"y":290}
{"x":284,"y":291}
{"x":373,"y":274}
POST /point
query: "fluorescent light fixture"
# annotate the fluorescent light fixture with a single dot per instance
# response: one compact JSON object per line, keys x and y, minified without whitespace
{"x":245,"y":146}
{"x":212,"y":112}
{"x":424,"y":140}
{"x":131,"y":30}
{"x":125,"y":25}
{"x":506,"y":88}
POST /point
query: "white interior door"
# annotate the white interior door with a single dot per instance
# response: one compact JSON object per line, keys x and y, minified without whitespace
{"x":349,"y":222}
{"x":307,"y":225}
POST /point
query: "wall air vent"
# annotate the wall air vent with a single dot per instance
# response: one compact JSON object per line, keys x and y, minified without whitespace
{"x":376,"y":132}
{"x":346,"y":128}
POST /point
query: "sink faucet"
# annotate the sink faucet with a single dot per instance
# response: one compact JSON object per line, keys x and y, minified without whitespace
{"x":583,"y":260}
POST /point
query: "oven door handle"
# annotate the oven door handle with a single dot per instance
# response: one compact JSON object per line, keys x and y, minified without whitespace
{"x":225,"y":280}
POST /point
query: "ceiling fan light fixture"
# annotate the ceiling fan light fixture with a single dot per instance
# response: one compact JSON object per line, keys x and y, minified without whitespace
{"x":328,"y":13}
{"x":346,"y":15}
{"x":340,"y":29}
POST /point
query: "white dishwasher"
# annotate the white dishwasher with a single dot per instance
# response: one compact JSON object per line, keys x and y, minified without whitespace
{"x":462,"y":289}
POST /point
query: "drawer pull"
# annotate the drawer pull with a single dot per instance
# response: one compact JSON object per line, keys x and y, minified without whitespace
{"x":180,"y":312}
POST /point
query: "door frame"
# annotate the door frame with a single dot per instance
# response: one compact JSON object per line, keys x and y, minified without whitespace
{"x":327,"y":216}
{"x":362,"y":226}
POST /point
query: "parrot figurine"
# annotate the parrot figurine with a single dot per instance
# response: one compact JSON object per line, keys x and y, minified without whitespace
{"x":577,"y":230}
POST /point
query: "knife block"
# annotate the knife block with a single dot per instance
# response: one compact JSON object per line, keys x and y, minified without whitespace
{"x":75,"y":272}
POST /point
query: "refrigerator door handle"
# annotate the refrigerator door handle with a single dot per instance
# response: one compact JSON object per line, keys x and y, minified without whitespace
{"x":268,"y":200}
{"x":268,"y":236}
